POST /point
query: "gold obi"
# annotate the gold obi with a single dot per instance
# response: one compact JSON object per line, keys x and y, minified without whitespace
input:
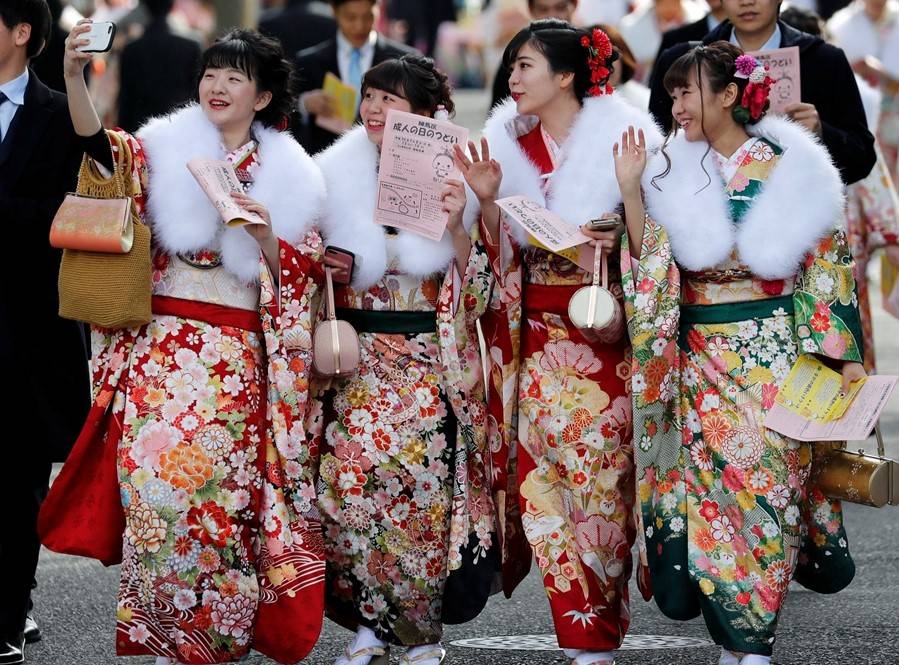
{"x":730,"y":282}
{"x":211,"y":284}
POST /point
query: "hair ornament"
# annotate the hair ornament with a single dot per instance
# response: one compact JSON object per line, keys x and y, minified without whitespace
{"x":599,"y":57}
{"x":755,"y":100}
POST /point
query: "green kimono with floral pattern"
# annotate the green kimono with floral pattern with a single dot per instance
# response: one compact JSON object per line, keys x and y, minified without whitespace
{"x":729,"y":516}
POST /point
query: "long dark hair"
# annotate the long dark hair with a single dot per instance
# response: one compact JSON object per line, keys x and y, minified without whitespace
{"x":414,"y":78}
{"x":560,"y":43}
{"x":714,"y":63}
{"x":262,"y":59}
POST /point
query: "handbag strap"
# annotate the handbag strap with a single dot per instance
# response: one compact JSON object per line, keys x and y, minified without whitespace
{"x":600,"y":268}
{"x":329,"y":295}
{"x":92,"y":183}
{"x":881,"y":449}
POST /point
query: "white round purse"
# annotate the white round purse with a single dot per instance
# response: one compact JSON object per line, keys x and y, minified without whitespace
{"x":594,"y":307}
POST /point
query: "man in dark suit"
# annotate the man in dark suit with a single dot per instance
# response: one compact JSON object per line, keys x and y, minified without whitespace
{"x":158,"y":70}
{"x":831,"y":106}
{"x":694,"y":32}
{"x":45,"y":386}
{"x":356,"y":48}
{"x":297,"y":27}
{"x":539,"y":9}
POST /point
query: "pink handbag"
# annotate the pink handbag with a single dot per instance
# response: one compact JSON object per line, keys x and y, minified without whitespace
{"x":335,"y":344}
{"x":595,"y":308}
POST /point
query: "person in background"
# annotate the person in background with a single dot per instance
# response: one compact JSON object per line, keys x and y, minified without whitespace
{"x":39,"y":157}
{"x":643,"y":28}
{"x":872,"y":205}
{"x":838,"y":119}
{"x":355,"y":49}
{"x":297,"y":26}
{"x":419,"y":21}
{"x":48,"y":65}
{"x":622,"y":79}
{"x":694,"y":32}
{"x":607,"y":12}
{"x":563,"y":10}
{"x":157,"y":71}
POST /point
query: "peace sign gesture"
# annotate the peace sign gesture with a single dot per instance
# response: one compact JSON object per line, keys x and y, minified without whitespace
{"x":482,"y":174}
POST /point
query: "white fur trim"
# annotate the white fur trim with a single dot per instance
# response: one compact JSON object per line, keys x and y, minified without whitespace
{"x":801,"y":201}
{"x":350,"y":170}
{"x":856,"y":34}
{"x":288,"y":183}
{"x":584,"y":186}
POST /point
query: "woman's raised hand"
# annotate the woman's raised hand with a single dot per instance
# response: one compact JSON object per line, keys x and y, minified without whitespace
{"x":630,"y":160}
{"x":482,"y":174}
{"x":75,"y":60}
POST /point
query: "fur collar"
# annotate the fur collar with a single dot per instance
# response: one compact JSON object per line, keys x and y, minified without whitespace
{"x":183,"y":219}
{"x":350,"y":168}
{"x":801,"y":201}
{"x":584,"y":186}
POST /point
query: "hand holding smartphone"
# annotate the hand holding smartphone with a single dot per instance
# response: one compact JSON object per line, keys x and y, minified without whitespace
{"x":342,"y":263}
{"x":608,"y":222}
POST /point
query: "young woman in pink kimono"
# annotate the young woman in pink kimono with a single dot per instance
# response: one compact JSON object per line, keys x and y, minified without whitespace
{"x":403,"y":491}
{"x":560,"y":420}
{"x":201,"y":410}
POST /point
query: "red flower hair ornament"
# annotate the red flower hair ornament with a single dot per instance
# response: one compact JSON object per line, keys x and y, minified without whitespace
{"x":755,"y":96}
{"x":600,"y":55}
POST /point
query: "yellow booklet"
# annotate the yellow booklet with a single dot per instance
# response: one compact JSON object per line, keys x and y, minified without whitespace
{"x":344,"y":97}
{"x":812,"y":390}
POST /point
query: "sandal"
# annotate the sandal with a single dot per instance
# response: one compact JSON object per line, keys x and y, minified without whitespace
{"x":437,"y":652}
{"x":604,"y":661}
{"x":379,"y":655}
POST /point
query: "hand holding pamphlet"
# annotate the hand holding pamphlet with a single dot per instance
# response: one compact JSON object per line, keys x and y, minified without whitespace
{"x":345,"y":103}
{"x":548,"y":230}
{"x":416,"y":162}
{"x":810,"y":406}
{"x":218,"y":180}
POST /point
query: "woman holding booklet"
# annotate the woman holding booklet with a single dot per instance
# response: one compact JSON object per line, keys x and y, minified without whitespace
{"x":205,"y":405}
{"x":718,"y":312}
{"x":561,"y":442}
{"x":403,"y":490}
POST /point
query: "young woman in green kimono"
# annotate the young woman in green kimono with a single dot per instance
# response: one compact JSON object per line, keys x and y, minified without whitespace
{"x":735,"y":268}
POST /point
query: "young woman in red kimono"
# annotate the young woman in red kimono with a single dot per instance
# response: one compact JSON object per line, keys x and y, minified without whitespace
{"x":560,"y":428}
{"x":201,"y":410}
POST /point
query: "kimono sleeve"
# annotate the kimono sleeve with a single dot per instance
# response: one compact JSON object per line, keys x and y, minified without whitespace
{"x":828,"y":322}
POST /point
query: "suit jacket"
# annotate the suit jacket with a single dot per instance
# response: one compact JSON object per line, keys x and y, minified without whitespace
{"x":298,"y":28}
{"x":312,"y":65}
{"x":44,"y":357}
{"x":692,"y":32}
{"x":827,"y":82}
{"x":158,"y":73}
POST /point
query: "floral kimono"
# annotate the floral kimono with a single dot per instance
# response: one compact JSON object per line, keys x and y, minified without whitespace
{"x":560,"y":421}
{"x":719,"y":310}
{"x":872,"y":223}
{"x":203,"y":410}
{"x":403,"y":489}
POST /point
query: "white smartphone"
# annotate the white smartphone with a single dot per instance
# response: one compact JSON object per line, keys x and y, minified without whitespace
{"x":100,"y":37}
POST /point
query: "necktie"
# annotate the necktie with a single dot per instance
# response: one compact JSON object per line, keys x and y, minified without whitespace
{"x":3,"y":98}
{"x":354,"y":75}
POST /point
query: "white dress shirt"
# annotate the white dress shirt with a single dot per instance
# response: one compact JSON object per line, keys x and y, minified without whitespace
{"x":772,"y":43}
{"x":15,"y":97}
{"x":345,"y":50}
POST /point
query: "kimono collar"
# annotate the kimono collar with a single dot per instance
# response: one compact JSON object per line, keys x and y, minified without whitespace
{"x":183,"y":219}
{"x":583,"y":186}
{"x":350,"y":168}
{"x":696,"y":212}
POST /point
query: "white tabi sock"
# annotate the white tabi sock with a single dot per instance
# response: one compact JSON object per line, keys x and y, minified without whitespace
{"x":423,"y":649}
{"x":588,"y":657}
{"x":365,"y":637}
{"x":572,"y":653}
{"x":728,"y":658}
{"x":755,"y":659}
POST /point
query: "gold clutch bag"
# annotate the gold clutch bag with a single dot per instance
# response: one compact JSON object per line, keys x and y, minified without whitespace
{"x":105,"y":274}
{"x":857,"y":477}
{"x":594,"y":307}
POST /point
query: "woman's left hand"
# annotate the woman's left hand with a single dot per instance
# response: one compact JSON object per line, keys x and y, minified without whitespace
{"x":454,"y":198}
{"x":608,"y":240}
{"x":852,"y":372}
{"x":260,"y":233}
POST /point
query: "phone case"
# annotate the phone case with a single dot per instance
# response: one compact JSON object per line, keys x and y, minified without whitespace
{"x":101,"y":36}
{"x":347,"y":259}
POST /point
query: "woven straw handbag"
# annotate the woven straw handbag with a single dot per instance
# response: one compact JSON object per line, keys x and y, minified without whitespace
{"x":105,"y":274}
